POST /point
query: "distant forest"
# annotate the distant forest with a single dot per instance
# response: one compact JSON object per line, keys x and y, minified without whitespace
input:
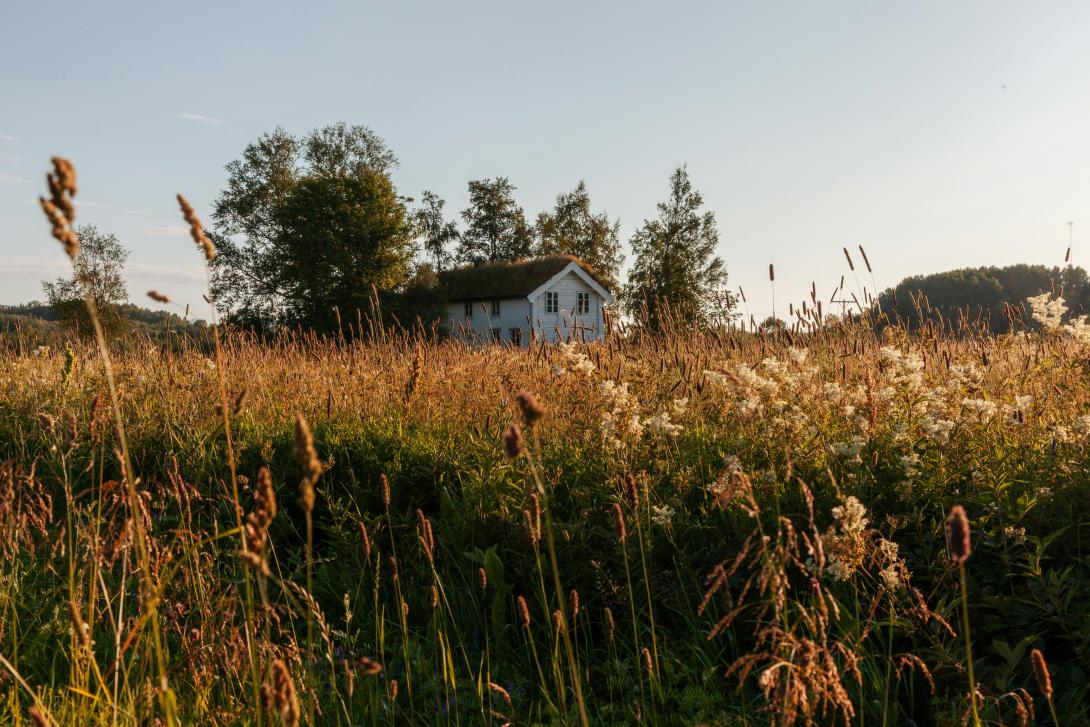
{"x":987,"y":295}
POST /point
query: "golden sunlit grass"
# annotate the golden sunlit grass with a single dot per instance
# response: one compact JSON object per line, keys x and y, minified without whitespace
{"x":688,"y":527}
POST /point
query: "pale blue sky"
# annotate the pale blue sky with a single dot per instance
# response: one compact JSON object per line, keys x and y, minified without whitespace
{"x":936,"y":134}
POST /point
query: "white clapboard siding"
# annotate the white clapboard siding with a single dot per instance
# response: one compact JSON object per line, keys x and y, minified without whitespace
{"x":514,"y":315}
{"x":565,"y":324}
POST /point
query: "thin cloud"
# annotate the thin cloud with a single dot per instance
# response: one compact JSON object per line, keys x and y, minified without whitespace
{"x":97,"y":205}
{"x":12,"y":179}
{"x":6,"y":137}
{"x":200,"y":118}
{"x":168,"y":231}
{"x":21,"y":267}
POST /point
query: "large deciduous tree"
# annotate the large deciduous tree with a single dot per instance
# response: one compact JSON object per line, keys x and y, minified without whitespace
{"x":340,"y":234}
{"x":496,"y":227}
{"x":355,"y":231}
{"x":96,"y":272}
{"x":572,"y":229}
{"x":675,"y":262}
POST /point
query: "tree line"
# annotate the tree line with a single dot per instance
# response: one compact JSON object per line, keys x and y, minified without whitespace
{"x":990,"y":296}
{"x":309,"y":228}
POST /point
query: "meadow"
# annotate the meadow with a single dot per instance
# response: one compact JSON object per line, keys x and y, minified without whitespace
{"x":690,"y":527}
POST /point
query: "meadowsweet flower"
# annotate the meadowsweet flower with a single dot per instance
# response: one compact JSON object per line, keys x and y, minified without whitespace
{"x":660,"y":425}
{"x":1047,"y":311}
{"x":662,"y":515}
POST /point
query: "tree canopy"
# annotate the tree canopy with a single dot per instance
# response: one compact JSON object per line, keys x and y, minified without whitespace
{"x":434,"y":231}
{"x":96,"y":272}
{"x":675,"y":262}
{"x":340,"y":234}
{"x":496,"y":227}
{"x":981,"y":294}
{"x":306,"y":223}
{"x":571,"y":228}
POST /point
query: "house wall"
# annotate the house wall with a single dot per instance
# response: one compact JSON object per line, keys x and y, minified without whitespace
{"x":565,"y":324}
{"x":514,"y":313}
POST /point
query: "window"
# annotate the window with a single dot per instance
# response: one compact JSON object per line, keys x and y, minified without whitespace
{"x":469,"y":310}
{"x":552,"y":302}
{"x":583,"y":304}
{"x":495,"y":307}
{"x":516,"y":336}
{"x":496,"y":334}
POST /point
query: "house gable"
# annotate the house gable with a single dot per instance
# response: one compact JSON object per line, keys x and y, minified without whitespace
{"x":573,"y":268}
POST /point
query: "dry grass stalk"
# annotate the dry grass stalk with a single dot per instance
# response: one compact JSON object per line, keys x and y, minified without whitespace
{"x":258,"y":521}
{"x":282,"y":693}
{"x":196,"y":230}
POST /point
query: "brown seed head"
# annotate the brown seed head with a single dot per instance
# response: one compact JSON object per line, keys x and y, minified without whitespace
{"x":1040,"y":670}
{"x":611,"y":625}
{"x":483,"y":578}
{"x":633,"y":491}
{"x":524,"y":612}
{"x":158,"y":297}
{"x":958,"y":542}
{"x":384,"y":485}
{"x":283,"y":692}
{"x":532,"y":412}
{"x":37,"y":717}
{"x":573,"y":599}
{"x":366,"y":541}
{"x":647,"y":664}
{"x":196,"y":230}
{"x":368,"y":667}
{"x":618,"y":522}
{"x":512,"y":441}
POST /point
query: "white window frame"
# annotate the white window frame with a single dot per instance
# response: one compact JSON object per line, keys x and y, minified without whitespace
{"x":582,"y":303}
{"x":495,"y":307}
{"x":469,"y":310}
{"x":552,"y":301}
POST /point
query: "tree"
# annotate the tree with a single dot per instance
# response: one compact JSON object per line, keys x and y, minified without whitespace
{"x":434,"y":230}
{"x":675,"y":262}
{"x":572,"y":229}
{"x":97,"y":272}
{"x":251,"y":225}
{"x":338,"y":235}
{"x":496,"y":227}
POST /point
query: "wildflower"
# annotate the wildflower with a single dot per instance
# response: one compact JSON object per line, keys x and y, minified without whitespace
{"x":662,"y":515}
{"x":660,"y":425}
{"x":1047,"y":311}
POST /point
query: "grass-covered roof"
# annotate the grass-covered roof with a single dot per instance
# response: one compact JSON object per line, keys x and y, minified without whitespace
{"x":506,"y":279}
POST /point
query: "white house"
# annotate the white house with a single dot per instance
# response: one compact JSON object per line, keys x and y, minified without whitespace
{"x":555,"y":298}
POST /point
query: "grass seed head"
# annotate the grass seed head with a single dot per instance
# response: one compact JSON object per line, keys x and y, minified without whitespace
{"x":958,"y":541}
{"x":1040,"y":670}
{"x":532,"y":411}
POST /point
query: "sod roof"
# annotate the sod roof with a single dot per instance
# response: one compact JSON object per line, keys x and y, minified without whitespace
{"x":493,"y":281}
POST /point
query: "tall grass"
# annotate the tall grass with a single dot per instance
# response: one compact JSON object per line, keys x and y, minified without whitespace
{"x":684,"y":527}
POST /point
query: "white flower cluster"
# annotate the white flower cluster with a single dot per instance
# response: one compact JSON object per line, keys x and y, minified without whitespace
{"x":575,"y":359}
{"x":621,"y":419}
{"x":1047,"y":311}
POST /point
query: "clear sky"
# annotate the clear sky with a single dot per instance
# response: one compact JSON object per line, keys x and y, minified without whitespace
{"x":937,"y":134}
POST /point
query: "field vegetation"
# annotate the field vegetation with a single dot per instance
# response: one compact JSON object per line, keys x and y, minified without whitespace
{"x":844,"y":521}
{"x":686,"y":527}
